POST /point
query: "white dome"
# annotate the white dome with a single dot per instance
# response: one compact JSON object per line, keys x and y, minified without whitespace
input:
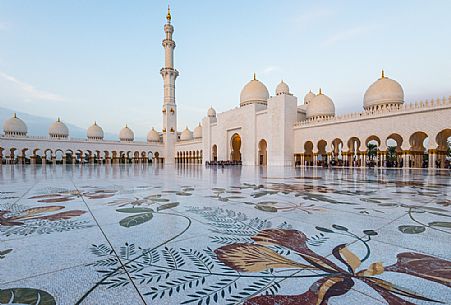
{"x":15,"y":127}
{"x":186,"y":135}
{"x":198,"y":132}
{"x":282,"y":88}
{"x":384,"y":91}
{"x":95,"y":132}
{"x":309,"y":97}
{"x":211,"y":112}
{"x":254,"y":92}
{"x":320,"y":106}
{"x":58,"y":130}
{"x":153,"y":136}
{"x":126,"y":134}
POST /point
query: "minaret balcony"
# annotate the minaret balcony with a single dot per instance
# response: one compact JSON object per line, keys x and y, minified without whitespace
{"x":168,"y":42}
{"x":169,"y":71}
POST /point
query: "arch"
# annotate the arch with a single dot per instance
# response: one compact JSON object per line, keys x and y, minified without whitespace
{"x":36,"y":156}
{"x":353,"y":154}
{"x":47,"y":156}
{"x":442,"y":139}
{"x":322,"y":152}
{"x":418,"y":155}
{"x":12,"y":155}
{"x":442,"y":156}
{"x":394,"y":150}
{"x":214,"y":153}
{"x":373,"y":139}
{"x":79,"y":156}
{"x":308,"y":153}
{"x":59,"y":155}
{"x":136,"y":156}
{"x":235,"y":144}
{"x":156,"y":156}
{"x":262,"y":152}
{"x":373,"y":144}
{"x":88,"y":157}
{"x":354,"y":145}
{"x":69,"y":155}
{"x":337,"y":150}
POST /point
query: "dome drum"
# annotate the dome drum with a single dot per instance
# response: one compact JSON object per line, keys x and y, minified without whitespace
{"x":153,"y":136}
{"x":197,"y":134}
{"x":126,"y":134}
{"x":321,"y":106}
{"x":95,"y":132}
{"x":58,"y":130}
{"x":186,"y":135}
{"x":254,"y":92}
{"x":15,"y":127}
{"x":309,"y":97}
{"x":283,"y":89}
{"x":211,"y":112}
{"x":383,"y":93}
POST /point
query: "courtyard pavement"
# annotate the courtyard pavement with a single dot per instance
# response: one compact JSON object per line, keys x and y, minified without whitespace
{"x":142,"y":234}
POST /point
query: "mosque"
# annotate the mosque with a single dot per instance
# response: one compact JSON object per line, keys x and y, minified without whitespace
{"x":266,"y":129}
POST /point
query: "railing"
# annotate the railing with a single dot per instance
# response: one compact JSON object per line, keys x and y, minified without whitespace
{"x":383,"y":111}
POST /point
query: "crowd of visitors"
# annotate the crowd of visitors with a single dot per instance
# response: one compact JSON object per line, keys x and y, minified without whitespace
{"x":223,"y":163}
{"x":373,"y":163}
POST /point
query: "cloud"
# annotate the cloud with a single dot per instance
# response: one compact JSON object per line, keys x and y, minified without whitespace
{"x":30,"y":91}
{"x":270,"y":69}
{"x":347,"y":34}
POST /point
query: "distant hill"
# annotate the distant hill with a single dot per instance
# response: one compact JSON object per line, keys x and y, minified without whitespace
{"x":39,"y":126}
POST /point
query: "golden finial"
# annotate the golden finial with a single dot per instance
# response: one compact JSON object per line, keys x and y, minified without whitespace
{"x":126,"y":125}
{"x":95,"y":123}
{"x":255,"y":76}
{"x":320,"y":92}
{"x":58,"y":120}
{"x":382,"y":74}
{"x":168,"y":16}
{"x":15,"y":115}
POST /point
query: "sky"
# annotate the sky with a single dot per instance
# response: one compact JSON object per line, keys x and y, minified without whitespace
{"x":100,"y":60}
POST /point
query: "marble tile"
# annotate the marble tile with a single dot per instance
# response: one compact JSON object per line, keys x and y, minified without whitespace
{"x":198,"y":235}
{"x":69,"y":286}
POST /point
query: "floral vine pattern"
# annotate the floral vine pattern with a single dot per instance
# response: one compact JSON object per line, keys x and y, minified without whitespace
{"x":253,"y":249}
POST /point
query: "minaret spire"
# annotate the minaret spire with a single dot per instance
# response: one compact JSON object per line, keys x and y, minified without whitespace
{"x":169,"y":74}
{"x":168,"y":16}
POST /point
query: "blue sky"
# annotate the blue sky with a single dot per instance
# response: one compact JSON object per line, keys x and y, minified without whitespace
{"x":100,"y":60}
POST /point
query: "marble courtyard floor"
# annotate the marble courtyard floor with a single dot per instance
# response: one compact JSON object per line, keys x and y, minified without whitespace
{"x":192,"y":235}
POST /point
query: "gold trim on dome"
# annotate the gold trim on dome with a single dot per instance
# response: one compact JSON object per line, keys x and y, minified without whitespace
{"x":164,"y":130}
{"x":172,"y":129}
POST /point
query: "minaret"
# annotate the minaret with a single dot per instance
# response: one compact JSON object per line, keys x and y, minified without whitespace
{"x":169,"y":75}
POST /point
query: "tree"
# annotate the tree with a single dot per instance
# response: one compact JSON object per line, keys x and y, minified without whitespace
{"x":391,"y":154}
{"x":372,"y":150}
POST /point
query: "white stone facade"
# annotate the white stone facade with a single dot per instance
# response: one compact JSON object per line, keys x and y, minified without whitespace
{"x":264,"y":130}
